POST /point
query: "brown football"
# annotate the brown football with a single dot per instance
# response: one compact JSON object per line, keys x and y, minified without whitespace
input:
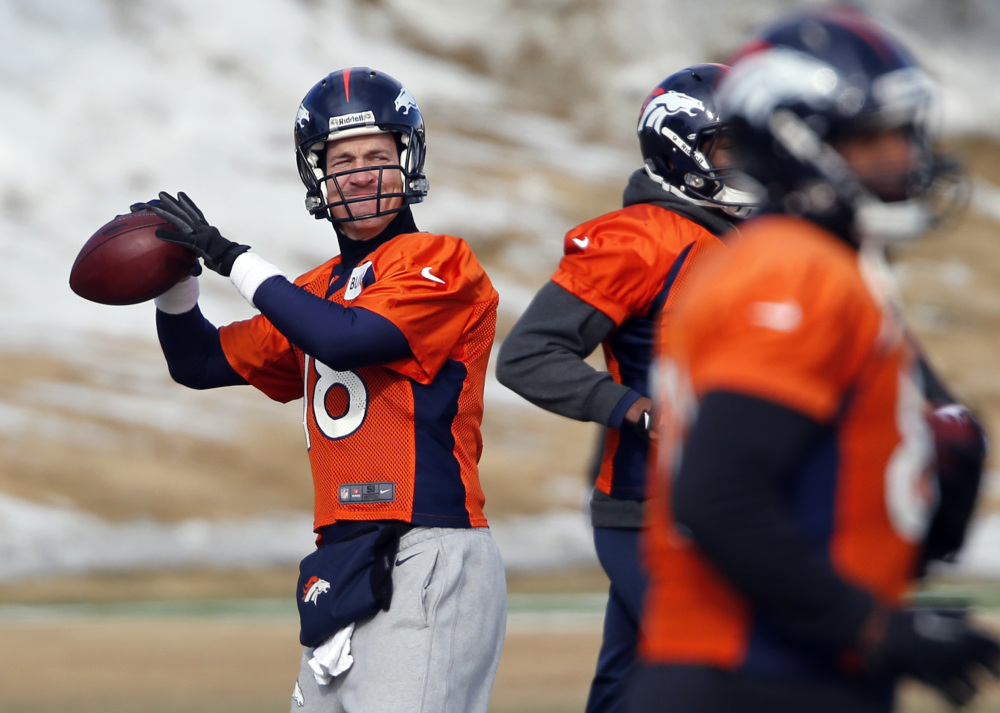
{"x":124,"y":263}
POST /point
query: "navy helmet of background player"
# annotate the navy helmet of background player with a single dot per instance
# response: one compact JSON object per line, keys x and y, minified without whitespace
{"x":678,"y":129}
{"x":330,"y":108}
{"x":618,"y":272}
{"x":828,"y":78}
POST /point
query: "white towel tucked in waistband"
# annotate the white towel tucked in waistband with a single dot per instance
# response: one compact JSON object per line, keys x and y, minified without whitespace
{"x":333,"y":656}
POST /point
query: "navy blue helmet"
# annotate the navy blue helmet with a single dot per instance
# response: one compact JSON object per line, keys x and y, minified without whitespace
{"x":819,"y":76}
{"x":679,"y":125}
{"x":354,"y":102}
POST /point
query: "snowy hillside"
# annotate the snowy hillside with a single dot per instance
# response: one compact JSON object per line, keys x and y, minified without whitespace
{"x":530,"y":107}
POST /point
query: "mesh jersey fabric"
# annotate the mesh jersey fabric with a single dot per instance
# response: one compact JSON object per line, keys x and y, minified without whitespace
{"x":400,"y":440}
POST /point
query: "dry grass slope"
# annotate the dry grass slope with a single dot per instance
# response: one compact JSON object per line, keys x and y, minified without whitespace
{"x":952,"y":288}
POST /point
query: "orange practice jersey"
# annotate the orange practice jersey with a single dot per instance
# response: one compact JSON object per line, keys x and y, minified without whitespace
{"x":791,"y":315}
{"x":630,"y":264}
{"x":402,"y":440}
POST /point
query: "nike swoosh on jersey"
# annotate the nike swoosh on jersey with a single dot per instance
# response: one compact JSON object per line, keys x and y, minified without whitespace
{"x":426,"y":272}
{"x":583,"y":242}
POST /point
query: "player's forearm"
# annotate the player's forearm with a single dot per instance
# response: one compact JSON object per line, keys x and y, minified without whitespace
{"x":194,"y":355}
{"x":340,"y":337}
{"x":731,"y":497}
{"x":561,"y":382}
{"x":543,"y":358}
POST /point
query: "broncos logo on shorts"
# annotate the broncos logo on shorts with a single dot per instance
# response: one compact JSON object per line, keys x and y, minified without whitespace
{"x":314,"y":587}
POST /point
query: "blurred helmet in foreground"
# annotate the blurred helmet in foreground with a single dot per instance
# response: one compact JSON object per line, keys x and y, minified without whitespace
{"x":821,"y":78}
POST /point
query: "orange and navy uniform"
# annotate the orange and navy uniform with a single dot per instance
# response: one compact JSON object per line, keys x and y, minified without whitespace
{"x":790,"y":315}
{"x":631,"y":264}
{"x":396,"y":441}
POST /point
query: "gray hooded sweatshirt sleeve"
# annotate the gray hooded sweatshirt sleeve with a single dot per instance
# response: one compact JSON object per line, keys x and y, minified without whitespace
{"x":542,"y":358}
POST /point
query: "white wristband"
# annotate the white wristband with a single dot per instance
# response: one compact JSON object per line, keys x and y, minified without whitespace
{"x":180,"y":298}
{"x":249,"y":271}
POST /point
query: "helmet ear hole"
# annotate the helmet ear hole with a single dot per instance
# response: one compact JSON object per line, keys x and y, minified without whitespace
{"x":694,"y":180}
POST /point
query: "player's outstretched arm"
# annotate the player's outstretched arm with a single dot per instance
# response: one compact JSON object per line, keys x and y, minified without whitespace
{"x":336,"y":336}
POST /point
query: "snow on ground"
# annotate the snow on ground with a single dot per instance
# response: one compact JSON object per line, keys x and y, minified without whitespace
{"x":106,"y":103}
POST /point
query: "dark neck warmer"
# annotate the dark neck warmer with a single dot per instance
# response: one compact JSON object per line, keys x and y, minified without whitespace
{"x":353,"y":252}
{"x":643,"y":189}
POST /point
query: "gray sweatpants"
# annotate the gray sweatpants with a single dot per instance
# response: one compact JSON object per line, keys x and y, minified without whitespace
{"x":437,"y":648}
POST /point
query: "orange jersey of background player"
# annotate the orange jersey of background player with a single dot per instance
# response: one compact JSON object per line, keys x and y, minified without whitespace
{"x":768,"y":320}
{"x":401,"y":440}
{"x":631,"y":264}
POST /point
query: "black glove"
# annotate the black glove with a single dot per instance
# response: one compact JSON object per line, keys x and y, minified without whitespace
{"x":194,"y":232}
{"x":195,"y":269}
{"x":938,"y":647}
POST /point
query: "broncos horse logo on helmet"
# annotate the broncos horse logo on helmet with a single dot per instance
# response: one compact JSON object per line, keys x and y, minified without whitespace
{"x":354,"y":102}
{"x":678,"y":127}
{"x":405,"y":101}
{"x":661,"y":104}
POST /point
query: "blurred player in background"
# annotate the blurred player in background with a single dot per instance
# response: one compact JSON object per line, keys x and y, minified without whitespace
{"x":388,"y":343}
{"x":794,"y":503}
{"x":619,"y":272}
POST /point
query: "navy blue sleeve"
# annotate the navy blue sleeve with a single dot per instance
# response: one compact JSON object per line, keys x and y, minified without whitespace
{"x":729,"y":496}
{"x":193,"y":351}
{"x":341,"y":337}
